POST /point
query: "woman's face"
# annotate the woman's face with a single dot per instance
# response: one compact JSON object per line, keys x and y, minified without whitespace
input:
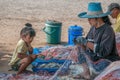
{"x":92,"y":21}
{"x":114,"y":13}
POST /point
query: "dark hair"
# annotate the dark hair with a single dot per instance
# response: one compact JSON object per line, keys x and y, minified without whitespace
{"x":28,"y":25}
{"x":106,"y":20}
{"x":27,"y":30}
{"x":117,"y":8}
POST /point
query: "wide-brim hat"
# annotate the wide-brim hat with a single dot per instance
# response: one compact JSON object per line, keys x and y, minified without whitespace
{"x":94,"y":11}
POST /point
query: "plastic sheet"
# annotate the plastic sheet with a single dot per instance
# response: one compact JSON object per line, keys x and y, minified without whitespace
{"x":112,"y":72}
{"x":51,"y":65}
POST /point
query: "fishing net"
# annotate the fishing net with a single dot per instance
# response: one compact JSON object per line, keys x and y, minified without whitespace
{"x":61,"y":63}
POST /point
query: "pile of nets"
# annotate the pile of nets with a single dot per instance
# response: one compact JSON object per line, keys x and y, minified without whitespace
{"x":75,"y":70}
{"x":26,"y":76}
{"x":60,"y":63}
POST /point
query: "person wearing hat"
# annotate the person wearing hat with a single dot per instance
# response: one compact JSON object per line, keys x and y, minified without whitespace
{"x":114,"y":8}
{"x":99,"y":44}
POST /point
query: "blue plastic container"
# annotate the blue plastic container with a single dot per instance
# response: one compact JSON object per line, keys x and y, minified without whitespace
{"x":36,"y":51}
{"x":38,"y":62}
{"x":73,"y":32}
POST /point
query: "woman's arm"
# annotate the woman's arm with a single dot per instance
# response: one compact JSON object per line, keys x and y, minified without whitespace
{"x":105,"y":47}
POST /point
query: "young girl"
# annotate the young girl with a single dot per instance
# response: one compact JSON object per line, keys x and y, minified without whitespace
{"x":22,"y":56}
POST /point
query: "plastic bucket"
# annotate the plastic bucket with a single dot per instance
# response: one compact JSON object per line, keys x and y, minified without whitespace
{"x":73,"y":32}
{"x":53,"y":31}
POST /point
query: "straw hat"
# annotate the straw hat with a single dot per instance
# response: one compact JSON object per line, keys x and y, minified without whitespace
{"x":94,"y":11}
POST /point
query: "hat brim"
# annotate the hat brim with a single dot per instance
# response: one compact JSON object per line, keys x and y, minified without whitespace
{"x":84,"y":15}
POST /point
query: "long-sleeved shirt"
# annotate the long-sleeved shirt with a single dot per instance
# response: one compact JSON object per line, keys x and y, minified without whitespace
{"x":104,"y":41}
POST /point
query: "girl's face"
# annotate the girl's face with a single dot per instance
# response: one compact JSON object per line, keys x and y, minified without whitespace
{"x":28,"y":39}
{"x":92,"y":21}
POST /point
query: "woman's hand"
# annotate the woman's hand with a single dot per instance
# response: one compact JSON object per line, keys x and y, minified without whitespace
{"x":80,"y":41}
{"x":90,"y":45}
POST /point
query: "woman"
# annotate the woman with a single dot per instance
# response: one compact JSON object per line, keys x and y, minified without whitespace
{"x":101,"y":37}
{"x":99,"y":44}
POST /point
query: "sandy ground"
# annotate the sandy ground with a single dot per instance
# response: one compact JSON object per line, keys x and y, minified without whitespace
{"x":15,"y":13}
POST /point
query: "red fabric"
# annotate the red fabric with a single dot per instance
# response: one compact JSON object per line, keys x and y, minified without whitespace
{"x":114,"y":75}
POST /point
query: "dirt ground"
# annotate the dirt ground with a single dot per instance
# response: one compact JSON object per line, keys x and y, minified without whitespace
{"x":15,"y":13}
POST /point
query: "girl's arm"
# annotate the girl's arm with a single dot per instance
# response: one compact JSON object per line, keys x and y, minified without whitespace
{"x":30,"y":49}
{"x":21,"y":55}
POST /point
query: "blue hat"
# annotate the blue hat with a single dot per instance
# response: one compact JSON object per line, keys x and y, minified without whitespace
{"x":94,"y":11}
